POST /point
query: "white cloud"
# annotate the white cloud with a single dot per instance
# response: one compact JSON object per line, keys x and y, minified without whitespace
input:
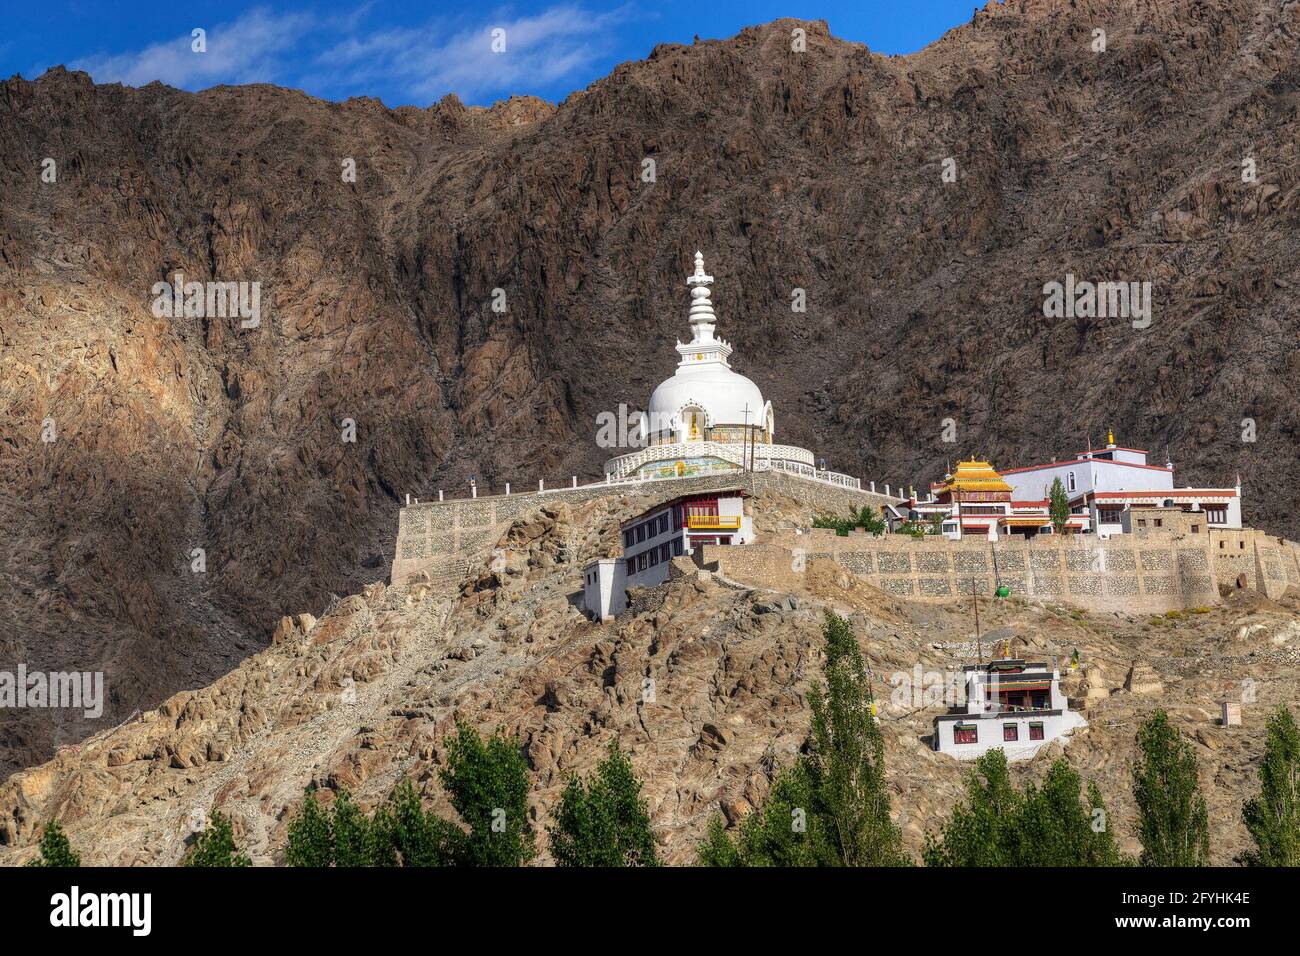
{"x":338,"y":57}
{"x":434,"y":59}
{"x":250,"y":49}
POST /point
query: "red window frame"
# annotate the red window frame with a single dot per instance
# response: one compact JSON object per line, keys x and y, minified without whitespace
{"x":965,"y":734}
{"x":1035,"y":731}
{"x":1010,"y":732}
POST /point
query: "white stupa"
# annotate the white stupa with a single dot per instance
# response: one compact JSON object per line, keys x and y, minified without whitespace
{"x":707,"y":417}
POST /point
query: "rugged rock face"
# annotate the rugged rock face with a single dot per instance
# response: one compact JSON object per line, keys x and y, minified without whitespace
{"x":369,"y":692}
{"x":820,"y":170}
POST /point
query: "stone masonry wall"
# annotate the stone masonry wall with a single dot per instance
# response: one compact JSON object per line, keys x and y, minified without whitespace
{"x":439,"y":537}
{"x":1137,"y":575}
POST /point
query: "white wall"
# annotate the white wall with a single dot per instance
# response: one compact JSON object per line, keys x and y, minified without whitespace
{"x":604,"y":588}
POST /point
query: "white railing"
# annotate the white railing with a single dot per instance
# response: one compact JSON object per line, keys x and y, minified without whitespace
{"x":738,"y":453}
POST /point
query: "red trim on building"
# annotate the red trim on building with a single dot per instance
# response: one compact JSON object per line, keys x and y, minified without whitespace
{"x":1077,"y":462}
{"x":1190,"y":493}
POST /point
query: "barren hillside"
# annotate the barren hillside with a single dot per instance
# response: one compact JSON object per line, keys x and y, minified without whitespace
{"x":368,"y":692}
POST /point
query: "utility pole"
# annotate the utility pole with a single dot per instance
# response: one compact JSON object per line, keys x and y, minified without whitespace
{"x":979,"y":645}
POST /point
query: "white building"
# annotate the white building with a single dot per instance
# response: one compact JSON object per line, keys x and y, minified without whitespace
{"x":651,"y":540}
{"x":1011,"y":704}
{"x":708,"y":418}
{"x":1103,"y":483}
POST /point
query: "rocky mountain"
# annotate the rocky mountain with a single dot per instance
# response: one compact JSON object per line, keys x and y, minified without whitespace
{"x":135,"y":448}
{"x":369,"y":692}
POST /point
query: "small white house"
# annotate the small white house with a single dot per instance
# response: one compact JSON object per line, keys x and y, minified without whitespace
{"x":1011,"y":704}
{"x":652,"y":539}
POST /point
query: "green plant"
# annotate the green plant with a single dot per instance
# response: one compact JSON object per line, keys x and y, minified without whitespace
{"x":1173,"y":821}
{"x":1273,"y":817}
{"x":1058,"y":508}
{"x":487,"y":782}
{"x":55,"y":850}
{"x":832,"y":807}
{"x":1047,"y":825}
{"x":215,"y":845}
{"x":604,"y":821}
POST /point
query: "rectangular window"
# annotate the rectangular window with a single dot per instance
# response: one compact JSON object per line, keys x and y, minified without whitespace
{"x":1010,"y":732}
{"x":1142,"y":522}
{"x":663,"y":552}
{"x":631,"y":565}
{"x":1070,"y":478}
{"x":629,"y":538}
{"x":678,"y":548}
{"x":640,"y":533}
{"x":663,"y":522}
{"x":1035,"y":731}
{"x":654,"y":556}
{"x":1216,"y":515}
{"x":1196,"y":529}
{"x":1160,"y":522}
{"x":965,"y":735}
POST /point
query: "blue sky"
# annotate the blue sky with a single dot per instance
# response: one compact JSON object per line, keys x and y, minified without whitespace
{"x":409,"y":53}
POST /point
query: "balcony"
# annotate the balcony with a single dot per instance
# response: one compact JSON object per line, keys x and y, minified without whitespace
{"x":712,"y":522}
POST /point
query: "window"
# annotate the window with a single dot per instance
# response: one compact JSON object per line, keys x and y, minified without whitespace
{"x":1196,"y":528}
{"x":631,"y":565}
{"x":1159,"y":522}
{"x":1216,"y":515}
{"x":1220,"y":545}
{"x":663,"y":522}
{"x":1035,"y":731}
{"x":1109,"y":515}
{"x":1070,"y":479}
{"x":1142,"y":522}
{"x":677,"y":546}
{"x":1241,"y":545}
{"x":968,"y":734}
{"x":629,"y":538}
{"x":641,"y":563}
{"x":640,"y":533}
{"x":1010,"y":732}
{"x":663,"y":552}
{"x":654,"y":556}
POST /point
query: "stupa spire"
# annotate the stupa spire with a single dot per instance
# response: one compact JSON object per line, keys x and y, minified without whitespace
{"x":701,"y":304}
{"x":703,"y":349}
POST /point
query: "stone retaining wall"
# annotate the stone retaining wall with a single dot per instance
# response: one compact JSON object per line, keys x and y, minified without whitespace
{"x":435,"y":536}
{"x":1148,"y":574}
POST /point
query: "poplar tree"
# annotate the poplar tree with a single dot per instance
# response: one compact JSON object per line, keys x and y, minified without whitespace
{"x":832,"y":807}
{"x":1047,"y":825}
{"x":1273,"y":817}
{"x":487,"y":782}
{"x":215,"y":846}
{"x":1173,"y":821}
{"x":1058,"y":507}
{"x":604,"y":821}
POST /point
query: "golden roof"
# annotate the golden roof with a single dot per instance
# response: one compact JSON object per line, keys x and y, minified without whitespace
{"x":975,"y":476}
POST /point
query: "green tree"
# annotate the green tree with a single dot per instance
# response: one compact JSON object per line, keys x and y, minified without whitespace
{"x":487,"y":782}
{"x":846,"y":757}
{"x":55,"y":848}
{"x":1273,"y":817}
{"x":1058,"y":508}
{"x":1173,"y":822}
{"x":215,"y":846}
{"x":832,"y":807}
{"x":1047,"y":825}
{"x":784,"y":831}
{"x":604,"y":821}
{"x":417,"y":838}
{"x":311,"y":840}
{"x":983,"y":831}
